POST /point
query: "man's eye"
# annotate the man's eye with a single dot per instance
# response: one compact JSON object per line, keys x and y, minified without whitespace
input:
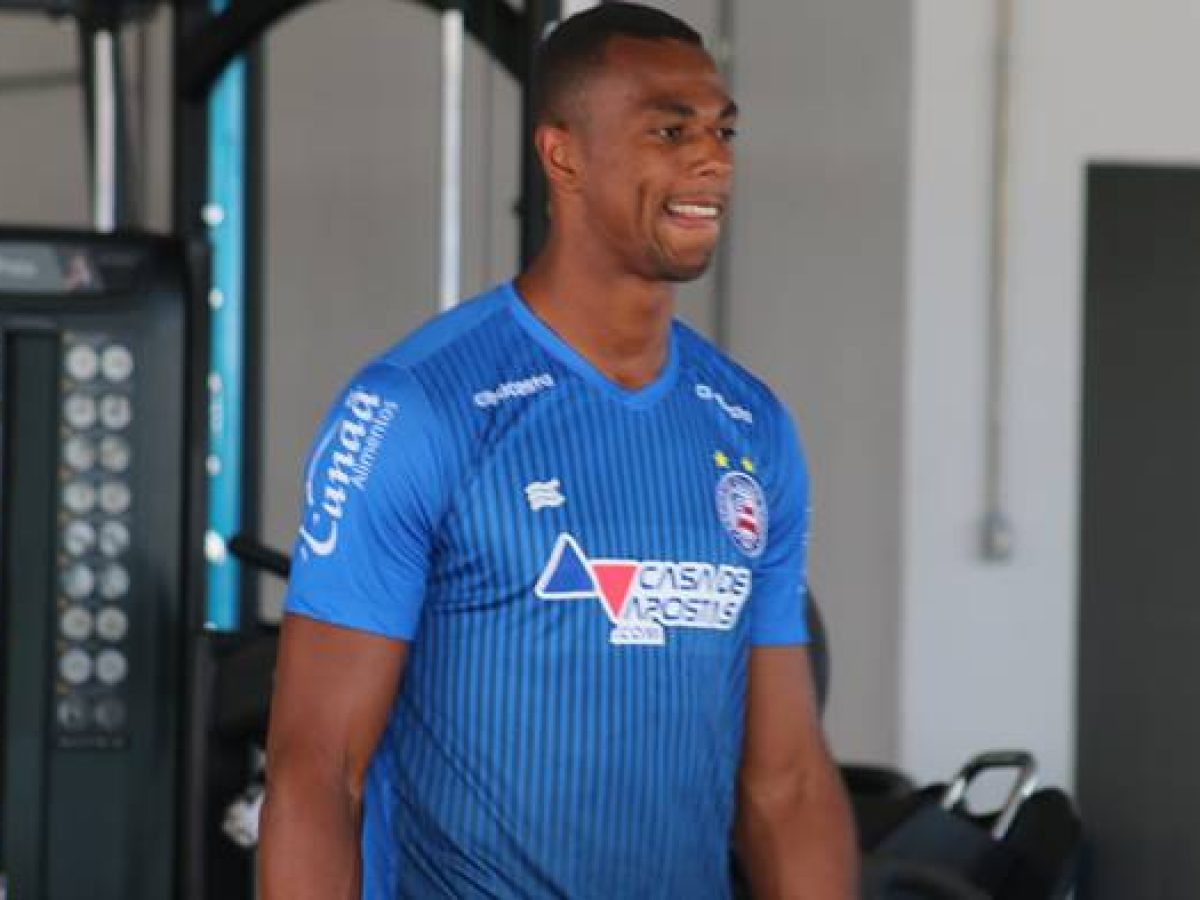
{"x":670,"y":132}
{"x":727,"y":134}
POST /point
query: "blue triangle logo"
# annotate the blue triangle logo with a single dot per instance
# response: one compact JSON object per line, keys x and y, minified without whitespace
{"x":567,"y":575}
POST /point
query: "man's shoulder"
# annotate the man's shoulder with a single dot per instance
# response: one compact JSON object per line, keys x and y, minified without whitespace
{"x":721,"y":378}
{"x":434,"y":366}
{"x":462,"y":331}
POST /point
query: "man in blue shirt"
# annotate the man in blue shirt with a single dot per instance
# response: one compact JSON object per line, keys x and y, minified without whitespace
{"x":545,"y":629}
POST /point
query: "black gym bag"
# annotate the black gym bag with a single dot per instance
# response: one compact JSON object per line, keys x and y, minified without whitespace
{"x":938,"y":850}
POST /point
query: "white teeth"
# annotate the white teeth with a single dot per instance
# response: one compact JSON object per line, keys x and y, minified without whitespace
{"x":694,"y":209}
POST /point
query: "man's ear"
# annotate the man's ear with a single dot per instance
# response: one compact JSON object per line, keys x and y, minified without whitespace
{"x":557,"y":148}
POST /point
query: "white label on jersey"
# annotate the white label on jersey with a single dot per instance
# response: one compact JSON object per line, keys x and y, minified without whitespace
{"x":735,"y":412}
{"x":544,"y":494}
{"x":343,"y":459}
{"x":510,"y":390}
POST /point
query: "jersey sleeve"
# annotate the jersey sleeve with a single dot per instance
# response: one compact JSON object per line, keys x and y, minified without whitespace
{"x":781,"y":577}
{"x":373,"y":493}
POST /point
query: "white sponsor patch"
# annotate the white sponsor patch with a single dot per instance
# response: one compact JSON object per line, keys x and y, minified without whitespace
{"x":643,"y":599}
{"x":341,"y":462}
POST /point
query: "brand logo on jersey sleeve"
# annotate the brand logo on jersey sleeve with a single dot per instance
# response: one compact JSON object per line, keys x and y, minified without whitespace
{"x":342,"y":461}
{"x":742,"y":509}
{"x":643,"y":598}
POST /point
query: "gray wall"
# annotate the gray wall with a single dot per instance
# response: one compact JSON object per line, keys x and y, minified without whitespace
{"x":819,"y":244}
{"x":41,"y":143}
{"x":42,"y":152}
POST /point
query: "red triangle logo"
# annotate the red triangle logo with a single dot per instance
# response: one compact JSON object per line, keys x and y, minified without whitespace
{"x":615,"y":579}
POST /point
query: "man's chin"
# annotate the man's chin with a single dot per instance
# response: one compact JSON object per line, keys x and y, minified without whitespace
{"x":680,"y":271}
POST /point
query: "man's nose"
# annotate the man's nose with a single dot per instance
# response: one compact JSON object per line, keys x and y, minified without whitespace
{"x":714,"y":155}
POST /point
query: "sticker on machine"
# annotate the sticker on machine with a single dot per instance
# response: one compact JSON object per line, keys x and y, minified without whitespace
{"x":742,"y":509}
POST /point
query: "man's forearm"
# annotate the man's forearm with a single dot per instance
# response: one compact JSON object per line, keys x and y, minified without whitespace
{"x":795,"y":836}
{"x":309,"y":839}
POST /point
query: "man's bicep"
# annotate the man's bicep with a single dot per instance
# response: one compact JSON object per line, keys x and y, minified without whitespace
{"x":783,"y":729}
{"x":334,"y":689}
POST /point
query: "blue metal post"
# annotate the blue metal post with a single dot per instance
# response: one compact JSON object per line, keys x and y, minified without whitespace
{"x":225,"y":216}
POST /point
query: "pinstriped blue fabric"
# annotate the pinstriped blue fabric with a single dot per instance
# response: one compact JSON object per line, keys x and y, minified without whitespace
{"x":582,"y":571}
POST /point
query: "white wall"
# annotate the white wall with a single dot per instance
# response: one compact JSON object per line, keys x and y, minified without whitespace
{"x":988,"y":651}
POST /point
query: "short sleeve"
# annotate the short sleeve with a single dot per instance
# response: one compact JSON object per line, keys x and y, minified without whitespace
{"x":780,"y":580}
{"x":372,"y":495}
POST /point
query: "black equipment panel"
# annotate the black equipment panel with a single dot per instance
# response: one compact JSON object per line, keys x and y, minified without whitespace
{"x":94,"y":476}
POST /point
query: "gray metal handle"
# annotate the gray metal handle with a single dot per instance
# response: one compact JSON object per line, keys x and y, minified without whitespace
{"x":1024,"y":784}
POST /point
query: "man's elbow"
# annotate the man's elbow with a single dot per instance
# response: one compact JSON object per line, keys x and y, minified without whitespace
{"x":300,"y":778}
{"x":775,"y":793}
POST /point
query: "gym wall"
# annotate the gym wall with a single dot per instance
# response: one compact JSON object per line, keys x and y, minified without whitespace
{"x":988,"y":652}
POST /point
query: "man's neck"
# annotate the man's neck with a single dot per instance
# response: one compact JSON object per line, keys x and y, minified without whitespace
{"x":620,"y":324}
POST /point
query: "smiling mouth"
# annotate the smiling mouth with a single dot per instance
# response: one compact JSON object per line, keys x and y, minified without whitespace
{"x":695,"y":213}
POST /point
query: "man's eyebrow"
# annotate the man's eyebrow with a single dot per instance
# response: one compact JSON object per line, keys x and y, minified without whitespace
{"x":685,"y":111}
{"x":671,"y":107}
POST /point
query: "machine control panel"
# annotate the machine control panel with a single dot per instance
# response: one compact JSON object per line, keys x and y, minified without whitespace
{"x":97,"y":522}
{"x":101,"y":404}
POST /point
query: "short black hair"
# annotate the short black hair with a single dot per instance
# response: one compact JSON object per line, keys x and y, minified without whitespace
{"x":575,"y":49}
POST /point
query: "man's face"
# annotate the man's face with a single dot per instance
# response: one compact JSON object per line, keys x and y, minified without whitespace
{"x":656,"y":164}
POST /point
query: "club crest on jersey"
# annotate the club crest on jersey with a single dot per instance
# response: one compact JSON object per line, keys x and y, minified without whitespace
{"x":643,"y":598}
{"x":742,"y":509}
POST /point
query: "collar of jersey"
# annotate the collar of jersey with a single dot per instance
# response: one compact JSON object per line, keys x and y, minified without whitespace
{"x":573,"y":359}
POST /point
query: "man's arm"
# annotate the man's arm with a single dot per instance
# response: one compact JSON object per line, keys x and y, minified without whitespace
{"x":794,"y":830}
{"x":334,"y":688}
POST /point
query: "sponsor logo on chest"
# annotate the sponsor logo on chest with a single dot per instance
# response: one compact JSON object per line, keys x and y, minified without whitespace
{"x":644,"y":598}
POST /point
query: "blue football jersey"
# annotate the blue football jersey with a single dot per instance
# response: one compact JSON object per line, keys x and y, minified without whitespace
{"x":582,"y":570}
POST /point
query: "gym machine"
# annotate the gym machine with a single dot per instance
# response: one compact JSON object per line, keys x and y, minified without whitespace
{"x":99,"y":410}
{"x":134,"y":689}
{"x":94,"y":601}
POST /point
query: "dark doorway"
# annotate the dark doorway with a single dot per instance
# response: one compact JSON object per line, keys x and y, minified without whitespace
{"x":1139,"y":641}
